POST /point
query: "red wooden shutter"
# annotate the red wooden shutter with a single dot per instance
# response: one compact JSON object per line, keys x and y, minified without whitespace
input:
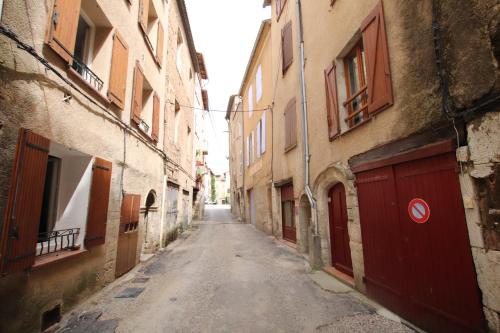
{"x":137,"y":94}
{"x":332,"y":101}
{"x":143,"y":15}
{"x":156,"y":117}
{"x":63,"y":24}
{"x":159,"y":45}
{"x":118,"y":76}
{"x":377,"y":61}
{"x":287,"y":46}
{"x":98,"y":203}
{"x":24,"y":204}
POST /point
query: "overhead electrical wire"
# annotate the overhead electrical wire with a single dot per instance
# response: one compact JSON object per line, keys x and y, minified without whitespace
{"x":214,"y":110}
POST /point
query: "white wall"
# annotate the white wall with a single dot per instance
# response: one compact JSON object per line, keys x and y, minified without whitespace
{"x":73,"y":197}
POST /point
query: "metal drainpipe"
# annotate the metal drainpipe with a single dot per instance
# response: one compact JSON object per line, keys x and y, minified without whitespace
{"x":307,"y":188}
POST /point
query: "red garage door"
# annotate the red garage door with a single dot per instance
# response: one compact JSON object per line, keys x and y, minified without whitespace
{"x":424,"y":271}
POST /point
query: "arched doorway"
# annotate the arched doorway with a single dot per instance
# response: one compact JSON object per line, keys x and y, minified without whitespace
{"x":149,"y":216}
{"x":339,"y":234}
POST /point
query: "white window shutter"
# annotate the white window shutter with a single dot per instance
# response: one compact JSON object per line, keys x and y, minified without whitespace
{"x":250,"y":101}
{"x":258,"y":138}
{"x":247,"y":162}
{"x":258,"y":83}
{"x":263,"y":133}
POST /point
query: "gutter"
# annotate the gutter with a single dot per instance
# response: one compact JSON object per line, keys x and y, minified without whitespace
{"x":305,"y":126}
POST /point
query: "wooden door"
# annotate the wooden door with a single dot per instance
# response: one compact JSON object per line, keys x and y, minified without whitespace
{"x":422,"y":270}
{"x":288,"y":213}
{"x":339,"y":234}
{"x":126,"y":256}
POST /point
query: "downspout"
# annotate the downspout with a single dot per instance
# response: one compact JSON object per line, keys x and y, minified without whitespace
{"x":305,"y":126}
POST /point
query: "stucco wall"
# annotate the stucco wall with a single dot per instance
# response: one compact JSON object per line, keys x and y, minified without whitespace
{"x":33,"y":98}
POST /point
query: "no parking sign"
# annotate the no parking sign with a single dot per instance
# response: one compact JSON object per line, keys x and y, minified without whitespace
{"x":419,"y":210}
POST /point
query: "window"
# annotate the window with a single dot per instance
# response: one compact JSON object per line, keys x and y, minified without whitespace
{"x":261,"y":136}
{"x":58,"y":201}
{"x":177,"y":116}
{"x":286,"y":46}
{"x":83,"y":45}
{"x":258,"y":83}
{"x":250,"y":101}
{"x":366,"y":77}
{"x":180,"y":44}
{"x":145,"y":105}
{"x":355,"y":78}
{"x":290,"y":126}
{"x":152,"y":29}
{"x":48,"y":215}
{"x":280,"y":5}
{"x":83,"y":37}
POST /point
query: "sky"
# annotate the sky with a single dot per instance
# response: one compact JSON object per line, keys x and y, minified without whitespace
{"x":224,"y":31}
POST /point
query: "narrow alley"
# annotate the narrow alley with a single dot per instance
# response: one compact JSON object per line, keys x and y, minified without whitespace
{"x":225,"y":276}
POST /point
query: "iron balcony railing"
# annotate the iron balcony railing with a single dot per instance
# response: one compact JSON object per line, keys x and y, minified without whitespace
{"x":57,"y":240}
{"x":87,"y":74}
{"x":82,"y":69}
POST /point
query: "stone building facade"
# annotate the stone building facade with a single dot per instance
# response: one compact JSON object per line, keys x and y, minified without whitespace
{"x":236,"y":157}
{"x":257,"y":120}
{"x":395,"y":151}
{"x":90,"y":89}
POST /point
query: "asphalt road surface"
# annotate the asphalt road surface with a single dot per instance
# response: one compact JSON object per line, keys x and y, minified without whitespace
{"x":224,"y":276}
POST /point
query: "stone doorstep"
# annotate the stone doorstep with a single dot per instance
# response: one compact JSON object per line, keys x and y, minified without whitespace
{"x":342,"y":277}
{"x":333,"y":284}
{"x":288,"y":243}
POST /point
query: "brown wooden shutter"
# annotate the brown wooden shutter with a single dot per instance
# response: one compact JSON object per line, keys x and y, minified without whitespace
{"x":290,"y":125}
{"x":156,"y":117}
{"x":159,"y":45}
{"x":98,"y":203}
{"x":24,"y":204}
{"x":63,"y":24}
{"x":377,"y":61}
{"x":118,"y":76}
{"x":130,"y":209}
{"x":137,"y":93}
{"x":143,"y":15}
{"x":287,"y":46}
{"x":332,"y":101}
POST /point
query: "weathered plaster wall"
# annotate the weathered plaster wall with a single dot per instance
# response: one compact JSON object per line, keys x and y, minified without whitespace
{"x":181,"y":88}
{"x":33,"y":98}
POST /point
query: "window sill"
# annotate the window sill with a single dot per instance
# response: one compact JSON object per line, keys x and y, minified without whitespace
{"x":290,"y":148}
{"x":75,"y":76}
{"x":56,"y":257}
